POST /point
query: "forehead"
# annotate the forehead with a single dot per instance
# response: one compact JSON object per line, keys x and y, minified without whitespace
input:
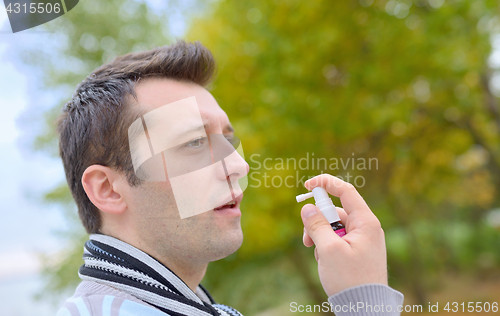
{"x":153,"y":93}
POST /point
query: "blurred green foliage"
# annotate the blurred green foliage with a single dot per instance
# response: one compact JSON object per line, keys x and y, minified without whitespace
{"x":404,"y":82}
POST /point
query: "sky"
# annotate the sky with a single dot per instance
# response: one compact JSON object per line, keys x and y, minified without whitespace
{"x":27,"y":226}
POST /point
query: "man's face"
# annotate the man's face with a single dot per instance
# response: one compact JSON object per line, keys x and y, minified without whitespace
{"x":159,"y":227}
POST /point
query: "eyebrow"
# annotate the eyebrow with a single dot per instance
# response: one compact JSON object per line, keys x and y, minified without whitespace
{"x":190,"y":130}
{"x":228,"y":128}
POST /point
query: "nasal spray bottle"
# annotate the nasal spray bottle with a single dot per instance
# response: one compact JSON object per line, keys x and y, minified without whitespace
{"x":325,"y":205}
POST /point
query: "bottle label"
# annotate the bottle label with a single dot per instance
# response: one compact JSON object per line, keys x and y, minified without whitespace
{"x":341,"y":232}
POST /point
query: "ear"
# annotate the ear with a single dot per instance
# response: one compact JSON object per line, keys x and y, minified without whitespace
{"x":104,"y":187}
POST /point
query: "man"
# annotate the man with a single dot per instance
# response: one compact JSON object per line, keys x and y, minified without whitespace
{"x":145,"y":256}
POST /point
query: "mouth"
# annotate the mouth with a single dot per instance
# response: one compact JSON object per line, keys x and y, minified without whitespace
{"x":235,"y":203}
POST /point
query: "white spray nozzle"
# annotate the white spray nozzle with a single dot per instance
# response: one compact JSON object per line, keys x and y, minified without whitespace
{"x":323,"y":203}
{"x":303,"y":197}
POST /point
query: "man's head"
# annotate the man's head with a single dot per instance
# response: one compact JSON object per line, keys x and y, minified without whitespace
{"x":95,"y":151}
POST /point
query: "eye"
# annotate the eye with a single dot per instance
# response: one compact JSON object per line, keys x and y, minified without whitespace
{"x":229,"y":138}
{"x":196,"y":143}
{"x":233,"y":140}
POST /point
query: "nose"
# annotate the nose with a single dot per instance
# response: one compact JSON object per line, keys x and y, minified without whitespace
{"x":236,"y":166}
{"x":237,"y":169}
{"x":233,"y":164}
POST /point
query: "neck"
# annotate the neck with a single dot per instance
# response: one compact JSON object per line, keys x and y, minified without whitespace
{"x":188,"y":270}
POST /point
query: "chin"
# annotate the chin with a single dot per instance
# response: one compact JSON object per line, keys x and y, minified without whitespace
{"x":229,"y":245}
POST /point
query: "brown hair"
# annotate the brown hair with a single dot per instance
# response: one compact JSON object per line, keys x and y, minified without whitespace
{"x":93,"y":125}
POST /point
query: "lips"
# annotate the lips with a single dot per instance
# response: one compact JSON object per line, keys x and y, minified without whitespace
{"x":230,"y":204}
{"x":234,"y":203}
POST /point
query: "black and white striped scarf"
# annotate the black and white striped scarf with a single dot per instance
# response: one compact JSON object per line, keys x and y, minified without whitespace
{"x":112,"y":262}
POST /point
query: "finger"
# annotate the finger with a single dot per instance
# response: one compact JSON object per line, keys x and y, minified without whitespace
{"x":342,"y":214}
{"x":349,"y":197}
{"x":308,"y":242}
{"x":316,"y":254}
{"x":317,"y":227}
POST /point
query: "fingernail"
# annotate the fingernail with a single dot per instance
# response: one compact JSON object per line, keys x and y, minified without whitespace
{"x":309,"y":210}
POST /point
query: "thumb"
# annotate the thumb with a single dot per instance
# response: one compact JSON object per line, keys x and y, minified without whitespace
{"x":316,"y":225}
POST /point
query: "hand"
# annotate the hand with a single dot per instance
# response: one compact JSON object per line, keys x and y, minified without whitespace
{"x":357,"y":258}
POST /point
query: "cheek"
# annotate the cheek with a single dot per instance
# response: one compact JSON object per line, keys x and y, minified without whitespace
{"x":151,"y":190}
{"x":154,"y":199}
{"x":163,"y":186}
